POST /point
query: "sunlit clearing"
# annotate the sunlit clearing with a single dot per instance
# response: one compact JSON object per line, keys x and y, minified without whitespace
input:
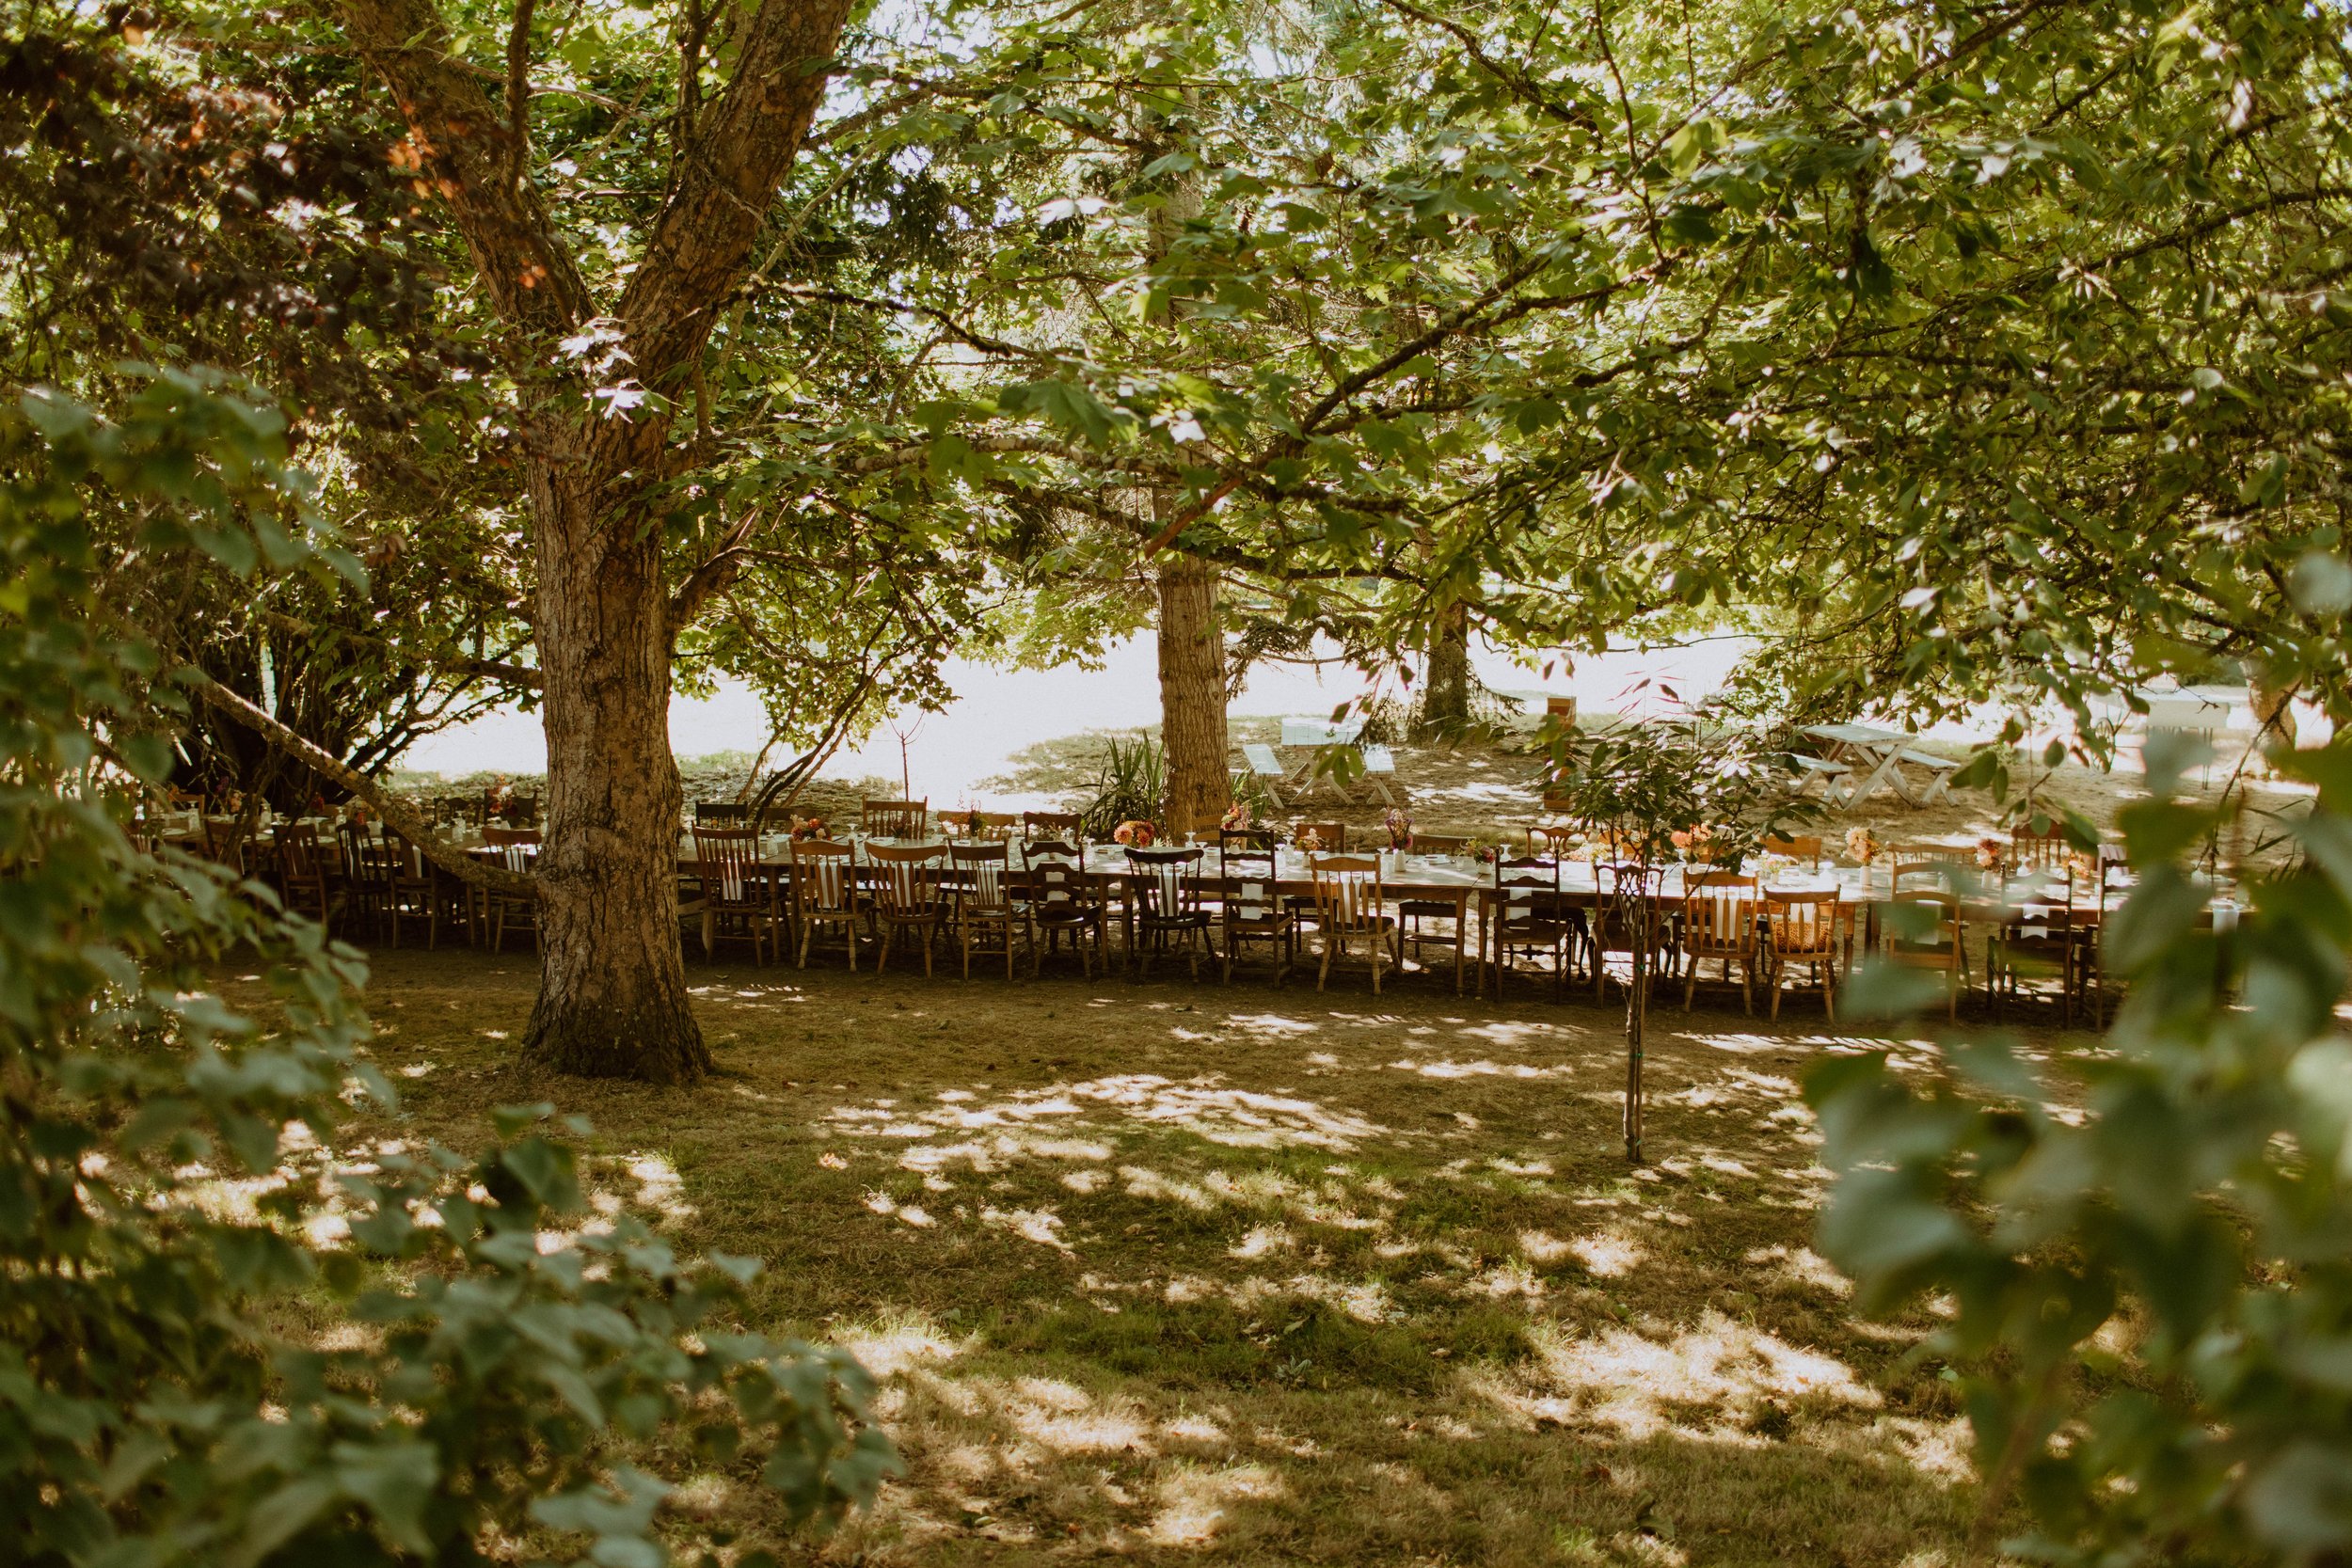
{"x":1699,"y":1378}
{"x":1607,"y":1255}
{"x":1193,"y":1501}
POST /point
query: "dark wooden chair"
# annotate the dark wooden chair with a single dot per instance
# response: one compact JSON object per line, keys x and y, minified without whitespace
{"x":906,"y":897}
{"x":1530,"y":919}
{"x":738,"y":896}
{"x":1063,"y":900}
{"x":983,"y":904}
{"x":1165,"y":893}
{"x":516,"y":849}
{"x":1253,"y":909}
{"x":903,"y":820}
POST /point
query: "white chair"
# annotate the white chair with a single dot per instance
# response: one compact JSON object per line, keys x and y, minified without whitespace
{"x":1379,"y":767}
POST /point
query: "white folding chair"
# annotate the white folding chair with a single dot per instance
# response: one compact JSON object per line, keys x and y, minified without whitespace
{"x":1267,"y":768}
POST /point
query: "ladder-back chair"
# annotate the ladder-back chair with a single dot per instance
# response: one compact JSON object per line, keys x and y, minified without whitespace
{"x":1348,"y":909}
{"x":1254,"y":909}
{"x":1050,"y":826}
{"x":824,"y":893}
{"x":1802,"y":929}
{"x":906,"y":896}
{"x":1062,"y":901}
{"x":722,"y":814}
{"x":983,"y":902}
{"x":1805,"y":847}
{"x":1720,"y":911}
{"x":307,"y":885}
{"x":412,"y":891}
{"x":1164,"y":891}
{"x":739,"y":899}
{"x":1530,"y":918}
{"x":1431,"y":919}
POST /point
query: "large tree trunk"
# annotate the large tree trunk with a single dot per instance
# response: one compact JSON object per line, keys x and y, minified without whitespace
{"x":1192,"y":695}
{"x":612,"y":999}
{"x":1445,"y":694}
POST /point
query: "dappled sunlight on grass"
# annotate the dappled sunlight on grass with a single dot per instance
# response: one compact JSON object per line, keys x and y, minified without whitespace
{"x":1184,"y":1272}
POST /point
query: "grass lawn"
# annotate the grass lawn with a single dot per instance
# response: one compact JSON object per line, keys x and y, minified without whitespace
{"x":1242,"y":1275}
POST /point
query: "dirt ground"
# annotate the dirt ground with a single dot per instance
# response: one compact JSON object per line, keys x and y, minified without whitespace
{"x":1253,"y":1275}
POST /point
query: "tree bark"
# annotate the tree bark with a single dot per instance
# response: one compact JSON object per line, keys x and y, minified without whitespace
{"x":1445,"y":694}
{"x":612,"y":999}
{"x":1192,"y":695}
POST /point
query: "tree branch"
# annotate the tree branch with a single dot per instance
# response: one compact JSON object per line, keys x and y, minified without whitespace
{"x":404,"y":817}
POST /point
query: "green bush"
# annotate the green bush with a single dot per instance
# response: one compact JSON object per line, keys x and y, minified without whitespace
{"x":169,"y":1184}
{"x":2148,"y":1301}
{"x":1132,"y":787}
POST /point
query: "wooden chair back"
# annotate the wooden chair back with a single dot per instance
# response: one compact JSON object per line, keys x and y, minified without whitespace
{"x":1330,"y":837}
{"x":298,"y":856}
{"x":1165,"y":884}
{"x":1527,"y":893}
{"x":1556,"y":840}
{"x":1719,"y":913}
{"x":1440,"y":844}
{"x":1059,"y":826}
{"x":1054,"y":870}
{"x":984,"y":877}
{"x":2043,"y":851}
{"x":1937,"y":934}
{"x":1805,"y":847}
{"x":824,"y":877}
{"x":1347,"y":891}
{"x":980,"y":826}
{"x":1251,"y":867}
{"x":1917,"y":875}
{"x":729,"y":859}
{"x":906,"y":880}
{"x":1804,"y":926}
{"x":894,"y":818}
{"x":722,"y":814}
{"x":510,"y":842}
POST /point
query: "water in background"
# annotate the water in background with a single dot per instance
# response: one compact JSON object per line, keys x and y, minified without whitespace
{"x":999,"y":714}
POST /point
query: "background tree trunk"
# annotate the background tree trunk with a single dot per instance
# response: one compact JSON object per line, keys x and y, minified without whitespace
{"x":1192,"y":695}
{"x":612,"y":999}
{"x":1445,"y":693}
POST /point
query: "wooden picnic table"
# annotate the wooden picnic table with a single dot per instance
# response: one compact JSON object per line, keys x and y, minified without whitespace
{"x":1874,"y":757}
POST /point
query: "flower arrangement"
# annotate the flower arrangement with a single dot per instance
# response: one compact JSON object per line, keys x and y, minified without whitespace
{"x":807,"y":828}
{"x":969,"y":822}
{"x":1988,"y":854}
{"x":1400,"y":828}
{"x":1135,"y":833}
{"x":1693,"y":844}
{"x":1861,"y":845}
{"x":1309,"y":841}
{"x":1484,"y":852}
{"x":1236,"y":818}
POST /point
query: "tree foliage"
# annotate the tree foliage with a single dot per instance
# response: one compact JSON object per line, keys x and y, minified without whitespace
{"x":171,"y":1182}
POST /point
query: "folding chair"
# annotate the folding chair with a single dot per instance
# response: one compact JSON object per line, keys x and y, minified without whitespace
{"x":1267,"y":770}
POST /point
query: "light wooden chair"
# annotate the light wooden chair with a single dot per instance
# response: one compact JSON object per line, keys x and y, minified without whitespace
{"x":514,"y":847}
{"x":1940,"y":946}
{"x":1802,"y":929}
{"x":1053,"y":827}
{"x":1720,"y":911}
{"x":1620,"y":890}
{"x":825,"y":893}
{"x":906,"y":896}
{"x":1350,"y":908}
{"x":904,"y":819}
{"x":1805,"y":848}
{"x":983,"y":902}
{"x":736,"y":890}
{"x":1431,"y":920}
{"x":1554,"y":839}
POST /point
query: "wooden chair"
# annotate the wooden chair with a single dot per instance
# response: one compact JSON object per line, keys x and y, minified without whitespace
{"x":513,"y":845}
{"x":1063,"y":900}
{"x":1254,"y":906}
{"x":984,"y":826}
{"x":1620,"y":892}
{"x":824,"y":893}
{"x":2047,"y":851}
{"x":1802,"y":929}
{"x":906,"y":819}
{"x":2039,"y":935}
{"x":737,"y":890}
{"x":1349,"y":906}
{"x":412,"y":892}
{"x":306,"y":883}
{"x":722,"y":814}
{"x":1530,"y":918}
{"x":1418,"y":918}
{"x":366,"y":883}
{"x":1164,"y":888}
{"x":1939,"y":944}
{"x":1720,"y":911}
{"x":225,"y":842}
{"x":906,"y":896}
{"x":1805,"y":847}
{"x":983,"y":902}
{"x":1331,"y":837}
{"x":1553,"y":840}
{"x":1050,"y":826}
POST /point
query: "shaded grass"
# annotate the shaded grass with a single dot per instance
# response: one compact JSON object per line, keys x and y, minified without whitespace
{"x":1259,"y":1277}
